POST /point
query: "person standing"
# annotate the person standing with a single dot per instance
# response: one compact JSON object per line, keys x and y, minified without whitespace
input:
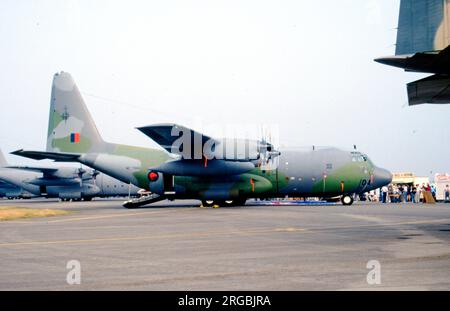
{"x":400,"y":191}
{"x":433,"y":191}
{"x":413,"y":193}
{"x":418,"y":191}
{"x":384,"y":191}
{"x":408,"y":193}
{"x":447,"y":194}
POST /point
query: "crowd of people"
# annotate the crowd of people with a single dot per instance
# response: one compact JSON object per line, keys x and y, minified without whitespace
{"x":405,"y":193}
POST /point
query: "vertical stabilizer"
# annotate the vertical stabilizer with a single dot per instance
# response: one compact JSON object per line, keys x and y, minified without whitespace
{"x":423,"y":26}
{"x":71,"y":127}
{"x":3,"y":161}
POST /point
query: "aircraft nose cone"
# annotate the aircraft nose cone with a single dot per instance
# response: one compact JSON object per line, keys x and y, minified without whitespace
{"x":381,"y":177}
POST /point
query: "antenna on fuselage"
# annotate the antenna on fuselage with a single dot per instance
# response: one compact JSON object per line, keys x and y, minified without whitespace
{"x":354,"y":147}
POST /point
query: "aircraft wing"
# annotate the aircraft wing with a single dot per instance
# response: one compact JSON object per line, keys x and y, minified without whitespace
{"x":44,"y":170}
{"x":40,"y":155}
{"x":167,"y":134}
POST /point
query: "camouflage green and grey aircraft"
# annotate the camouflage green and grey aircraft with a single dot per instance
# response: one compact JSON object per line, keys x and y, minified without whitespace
{"x":66,"y":183}
{"x":201,"y":167}
{"x":423,"y":39}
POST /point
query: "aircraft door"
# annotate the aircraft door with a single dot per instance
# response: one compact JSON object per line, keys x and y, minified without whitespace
{"x":161,"y":183}
{"x":43,"y":190}
{"x":169,"y":184}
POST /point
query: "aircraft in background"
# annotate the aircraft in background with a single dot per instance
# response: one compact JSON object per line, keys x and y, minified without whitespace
{"x":66,"y":183}
{"x":423,"y":39}
{"x":12,"y":192}
{"x":260,"y":172}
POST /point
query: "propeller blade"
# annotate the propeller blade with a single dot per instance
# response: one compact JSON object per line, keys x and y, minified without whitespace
{"x":81,"y":172}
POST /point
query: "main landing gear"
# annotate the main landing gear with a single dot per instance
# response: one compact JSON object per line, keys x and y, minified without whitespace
{"x":223,"y":203}
{"x":347,"y":200}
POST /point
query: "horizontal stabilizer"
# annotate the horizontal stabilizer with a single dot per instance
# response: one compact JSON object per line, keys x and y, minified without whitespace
{"x":431,"y":90}
{"x":41,"y":155}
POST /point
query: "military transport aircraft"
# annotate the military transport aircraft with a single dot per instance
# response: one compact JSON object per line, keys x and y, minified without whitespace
{"x":423,"y":39}
{"x":10,"y":191}
{"x":201,"y":167}
{"x":66,"y":183}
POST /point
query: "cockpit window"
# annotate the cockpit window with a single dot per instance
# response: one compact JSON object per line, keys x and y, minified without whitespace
{"x":359,"y":158}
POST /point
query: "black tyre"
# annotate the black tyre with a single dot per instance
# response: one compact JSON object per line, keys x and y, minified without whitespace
{"x":347,"y":200}
{"x":208,"y":203}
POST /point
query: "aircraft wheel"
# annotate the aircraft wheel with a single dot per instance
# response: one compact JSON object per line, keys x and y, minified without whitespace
{"x":347,"y":200}
{"x":208,"y":203}
{"x":227,"y":203}
{"x":87,"y":198}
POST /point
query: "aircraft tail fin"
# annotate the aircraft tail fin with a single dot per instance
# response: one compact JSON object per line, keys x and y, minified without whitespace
{"x":3,"y":161}
{"x":423,"y":26}
{"x":71,"y":127}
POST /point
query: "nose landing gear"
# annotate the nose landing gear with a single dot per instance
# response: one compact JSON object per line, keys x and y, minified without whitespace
{"x":347,"y":200}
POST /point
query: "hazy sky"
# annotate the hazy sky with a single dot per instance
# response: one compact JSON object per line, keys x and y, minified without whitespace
{"x":304,"y":65}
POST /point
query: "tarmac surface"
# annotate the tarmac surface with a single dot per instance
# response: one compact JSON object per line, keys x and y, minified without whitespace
{"x":178,"y":246}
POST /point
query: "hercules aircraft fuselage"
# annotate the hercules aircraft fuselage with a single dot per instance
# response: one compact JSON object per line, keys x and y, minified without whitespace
{"x":317,"y":172}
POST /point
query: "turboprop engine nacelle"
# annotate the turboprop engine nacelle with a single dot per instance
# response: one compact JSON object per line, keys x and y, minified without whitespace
{"x":237,"y":149}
